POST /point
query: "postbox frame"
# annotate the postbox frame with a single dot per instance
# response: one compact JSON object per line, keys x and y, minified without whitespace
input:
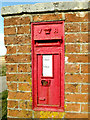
{"x":47,"y":108}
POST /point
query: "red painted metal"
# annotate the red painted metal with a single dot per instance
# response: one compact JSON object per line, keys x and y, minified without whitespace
{"x":48,"y":91}
{"x":47,"y":31}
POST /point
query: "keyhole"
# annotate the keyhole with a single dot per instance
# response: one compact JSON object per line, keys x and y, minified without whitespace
{"x":44,"y":82}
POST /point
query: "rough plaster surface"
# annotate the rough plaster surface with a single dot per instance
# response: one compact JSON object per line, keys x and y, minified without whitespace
{"x":44,"y":7}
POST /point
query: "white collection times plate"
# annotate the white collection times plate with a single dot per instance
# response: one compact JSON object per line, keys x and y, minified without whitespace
{"x":47,"y":65}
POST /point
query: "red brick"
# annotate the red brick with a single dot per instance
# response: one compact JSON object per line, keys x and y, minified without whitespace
{"x":89,"y":114}
{"x":11,"y":58}
{"x":72,"y":88}
{"x":84,"y":88}
{"x":24,"y":87}
{"x":19,"y":95}
{"x":72,"y":27}
{"x":47,"y":17}
{"x":11,"y":49}
{"x":23,"y":58}
{"x":16,"y":21}
{"x":72,"y":68}
{"x":76,"y":115}
{"x":23,"y":30}
{"x":72,"y":48}
{"x":10,"y":31}
{"x":73,"y":38}
{"x":78,"y":58}
{"x":12,"y":86}
{"x":76,"y":17}
{"x":11,"y":68}
{"x":79,"y":78}
{"x":85,"y":68}
{"x":76,"y":97}
{"x":84,"y":27}
{"x":12,"y":104}
{"x":17,"y":39}
{"x":20,"y":113}
{"x":85,"y":48}
{"x":18,"y":58}
{"x":24,"y":68}
{"x":73,"y":107}
{"x":84,"y":108}
{"x":25,"y":104}
{"x":9,"y":40}
{"x":22,"y":39}
{"x":88,"y":27}
{"x":18,"y":77}
{"x":24,"y":48}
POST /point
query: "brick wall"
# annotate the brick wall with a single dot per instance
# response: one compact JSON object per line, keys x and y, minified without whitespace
{"x":17,"y":30}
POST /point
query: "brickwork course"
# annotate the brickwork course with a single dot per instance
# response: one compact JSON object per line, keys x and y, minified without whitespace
{"x":17,"y":37}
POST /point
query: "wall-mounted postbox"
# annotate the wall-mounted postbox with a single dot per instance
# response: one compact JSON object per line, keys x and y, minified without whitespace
{"x":48,"y":65}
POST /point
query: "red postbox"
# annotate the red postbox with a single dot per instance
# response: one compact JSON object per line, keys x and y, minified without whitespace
{"x":48,"y":65}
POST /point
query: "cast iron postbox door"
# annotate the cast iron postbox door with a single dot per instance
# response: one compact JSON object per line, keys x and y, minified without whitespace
{"x":48,"y":66}
{"x":49,"y":79}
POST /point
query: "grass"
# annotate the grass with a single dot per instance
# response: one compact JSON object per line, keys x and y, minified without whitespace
{"x":3,"y":70}
{"x":3,"y":98}
{"x":3,"y":95}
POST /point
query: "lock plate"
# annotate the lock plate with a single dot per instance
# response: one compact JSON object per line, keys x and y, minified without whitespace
{"x":45,"y":82}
